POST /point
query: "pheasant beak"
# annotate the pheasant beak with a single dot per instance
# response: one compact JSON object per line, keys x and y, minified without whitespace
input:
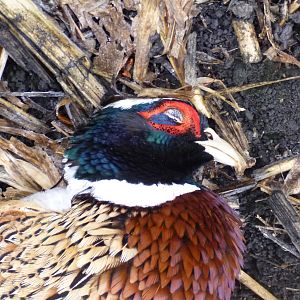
{"x":221,"y":150}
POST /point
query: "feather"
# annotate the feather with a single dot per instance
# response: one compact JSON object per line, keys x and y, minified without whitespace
{"x":97,"y":249}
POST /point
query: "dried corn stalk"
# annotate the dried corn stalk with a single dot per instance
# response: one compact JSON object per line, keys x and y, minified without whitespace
{"x":26,"y":169}
{"x":44,"y":46}
{"x":109,"y":34}
{"x":112,"y":37}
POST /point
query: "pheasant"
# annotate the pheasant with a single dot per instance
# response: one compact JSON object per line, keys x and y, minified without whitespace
{"x":131,"y":222}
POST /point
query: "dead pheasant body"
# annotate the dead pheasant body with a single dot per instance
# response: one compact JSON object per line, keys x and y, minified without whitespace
{"x":187,"y":248}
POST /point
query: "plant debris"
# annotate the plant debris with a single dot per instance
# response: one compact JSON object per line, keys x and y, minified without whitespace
{"x":153,"y":48}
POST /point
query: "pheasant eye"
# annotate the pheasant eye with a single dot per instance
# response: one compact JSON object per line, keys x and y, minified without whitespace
{"x":175,"y":115}
{"x":174,"y":118}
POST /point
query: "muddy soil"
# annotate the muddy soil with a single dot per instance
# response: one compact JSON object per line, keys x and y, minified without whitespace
{"x":271,"y":122}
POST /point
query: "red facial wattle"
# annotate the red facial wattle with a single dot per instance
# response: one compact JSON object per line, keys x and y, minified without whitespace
{"x":190,"y":122}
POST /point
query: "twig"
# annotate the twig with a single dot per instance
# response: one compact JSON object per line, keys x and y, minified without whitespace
{"x":287,"y":216}
{"x":35,"y":105}
{"x":251,"y":86}
{"x":33,"y":94}
{"x":258,"y":175}
{"x":20,"y":117}
{"x":190,"y":65}
{"x":237,"y":188}
{"x":62,"y":128}
{"x":38,"y":138}
{"x":265,"y":186}
{"x":294,"y":6}
{"x":276,"y":168}
{"x":254,"y":286}
{"x":247,"y":40}
{"x":276,"y":240}
{"x":292,"y":180}
{"x":270,"y":228}
{"x":3,"y":60}
{"x":293,"y":290}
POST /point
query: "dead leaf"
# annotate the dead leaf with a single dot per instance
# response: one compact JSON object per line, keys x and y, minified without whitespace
{"x":108,"y":28}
